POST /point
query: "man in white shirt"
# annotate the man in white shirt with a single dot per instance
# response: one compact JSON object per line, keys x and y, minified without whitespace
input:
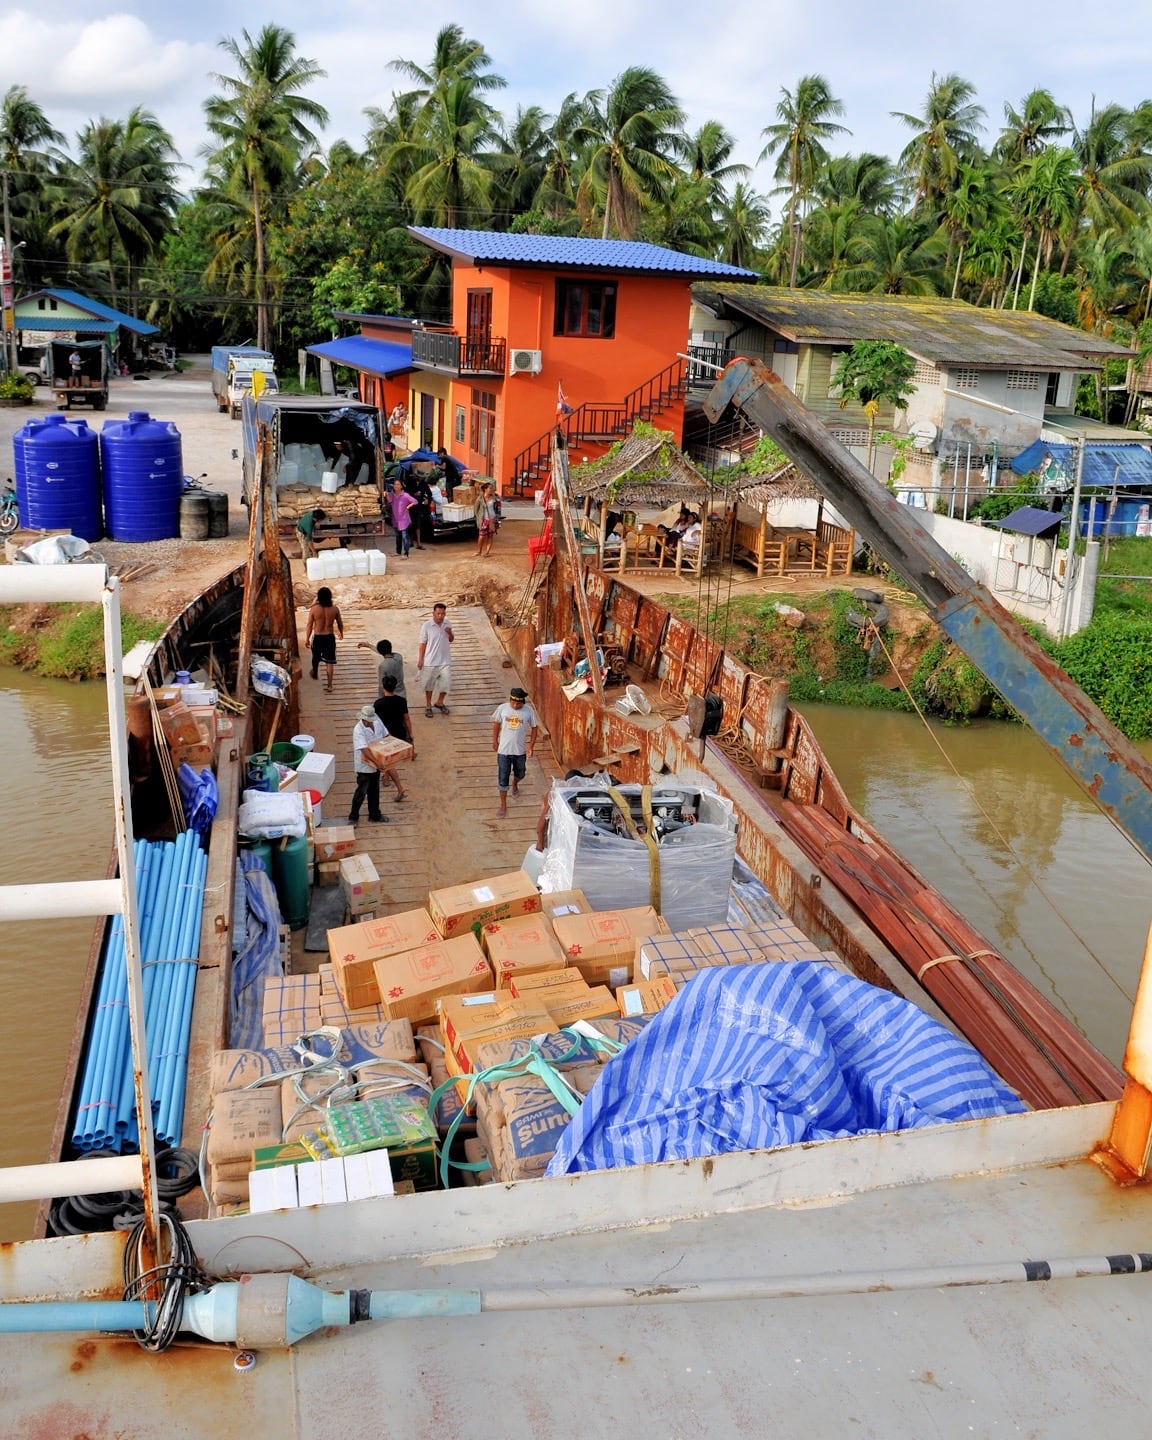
{"x":514,"y":726}
{"x":367,"y":728}
{"x":434,"y":657}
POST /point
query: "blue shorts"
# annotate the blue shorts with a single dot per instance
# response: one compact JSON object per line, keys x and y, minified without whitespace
{"x":509,"y":765}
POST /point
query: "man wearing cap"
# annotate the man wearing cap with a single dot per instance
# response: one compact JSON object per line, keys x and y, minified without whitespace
{"x":367,"y":729}
{"x":514,"y":727}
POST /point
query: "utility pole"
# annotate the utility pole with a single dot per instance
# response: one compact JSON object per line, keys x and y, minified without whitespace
{"x":1066,"y":606}
{"x":7,"y":297}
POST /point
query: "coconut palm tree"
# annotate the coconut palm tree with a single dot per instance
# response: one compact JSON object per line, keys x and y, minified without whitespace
{"x":1043,"y":194}
{"x":454,"y":57}
{"x":835,"y":242}
{"x":944,"y":136}
{"x":520,"y":159}
{"x":24,"y":128}
{"x":451,"y":179}
{"x":900,"y":257}
{"x":971,"y":201}
{"x":707,"y":155}
{"x":1113,"y":185}
{"x":743,"y":220}
{"x":262,"y":123}
{"x":1029,"y":130}
{"x":797,"y":140}
{"x":558,"y":181}
{"x":628,"y":135}
{"x":119,"y":197}
{"x":870,"y":180}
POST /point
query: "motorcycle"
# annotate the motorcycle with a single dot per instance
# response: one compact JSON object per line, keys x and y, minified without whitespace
{"x":9,"y":511}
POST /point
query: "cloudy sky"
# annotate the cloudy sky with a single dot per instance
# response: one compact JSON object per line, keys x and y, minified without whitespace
{"x":726,"y":61}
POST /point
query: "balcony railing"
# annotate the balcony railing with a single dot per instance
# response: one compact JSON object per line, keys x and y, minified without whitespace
{"x":704,"y":363}
{"x":447,"y":350}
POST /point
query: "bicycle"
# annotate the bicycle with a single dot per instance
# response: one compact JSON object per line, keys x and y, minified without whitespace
{"x":9,"y":510}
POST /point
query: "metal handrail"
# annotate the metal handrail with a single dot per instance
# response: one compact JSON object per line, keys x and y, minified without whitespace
{"x":602,"y":420}
{"x":463,"y":355}
{"x":91,"y":584}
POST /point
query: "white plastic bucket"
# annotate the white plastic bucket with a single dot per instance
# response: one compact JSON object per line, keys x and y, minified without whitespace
{"x":360,"y":561}
{"x":315,"y":568}
{"x":305,"y":742}
{"x":377,"y":562}
{"x":329,"y":482}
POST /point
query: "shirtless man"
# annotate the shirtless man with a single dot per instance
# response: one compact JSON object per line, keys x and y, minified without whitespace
{"x":325,"y":624}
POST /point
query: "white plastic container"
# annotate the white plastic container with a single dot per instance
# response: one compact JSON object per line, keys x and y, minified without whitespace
{"x":345,"y":565}
{"x":330,"y":560}
{"x":360,"y":561}
{"x":316,"y":772}
{"x":289,"y":472}
{"x":377,"y":562}
{"x":329,"y":482}
{"x":316,"y":568}
{"x":305,"y":742}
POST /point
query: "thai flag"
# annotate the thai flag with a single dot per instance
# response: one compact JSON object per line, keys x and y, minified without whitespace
{"x":562,"y":406}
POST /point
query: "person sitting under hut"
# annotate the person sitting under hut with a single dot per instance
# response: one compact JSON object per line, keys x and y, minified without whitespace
{"x":673,"y":535}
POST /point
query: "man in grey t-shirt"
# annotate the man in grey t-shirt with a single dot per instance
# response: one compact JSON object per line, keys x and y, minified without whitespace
{"x":514,"y":726}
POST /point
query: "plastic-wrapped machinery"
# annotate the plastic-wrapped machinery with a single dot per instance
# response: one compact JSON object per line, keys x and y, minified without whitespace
{"x":590,"y":848}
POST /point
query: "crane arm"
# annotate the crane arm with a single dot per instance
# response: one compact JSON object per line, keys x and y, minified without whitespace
{"x":1103,"y":761}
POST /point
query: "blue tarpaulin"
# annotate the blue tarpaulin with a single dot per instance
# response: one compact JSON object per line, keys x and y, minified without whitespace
{"x":1104,"y":465}
{"x":757,"y":1056}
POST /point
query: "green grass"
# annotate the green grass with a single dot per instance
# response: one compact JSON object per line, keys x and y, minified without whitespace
{"x":64,"y":643}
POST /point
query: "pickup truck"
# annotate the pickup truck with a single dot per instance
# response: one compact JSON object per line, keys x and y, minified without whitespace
{"x":78,"y":372}
{"x":232,"y":369}
{"x":303,"y":432}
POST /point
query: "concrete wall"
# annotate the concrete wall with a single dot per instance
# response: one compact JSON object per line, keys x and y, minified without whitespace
{"x":1028,"y":591}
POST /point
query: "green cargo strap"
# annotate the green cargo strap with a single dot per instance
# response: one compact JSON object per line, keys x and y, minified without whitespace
{"x":530,"y":1063}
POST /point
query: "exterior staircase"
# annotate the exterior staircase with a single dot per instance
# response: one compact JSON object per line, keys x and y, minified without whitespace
{"x":599,"y":422}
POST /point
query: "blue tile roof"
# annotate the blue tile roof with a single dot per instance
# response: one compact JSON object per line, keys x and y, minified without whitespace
{"x":1100,"y":463}
{"x":94,"y":307}
{"x":71,"y":325}
{"x":491,"y":247}
{"x":378,"y":357}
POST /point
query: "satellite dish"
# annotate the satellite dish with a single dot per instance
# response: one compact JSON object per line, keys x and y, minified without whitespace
{"x":923,"y":432}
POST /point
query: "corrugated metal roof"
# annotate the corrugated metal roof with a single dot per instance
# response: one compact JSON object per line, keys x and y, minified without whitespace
{"x":94,"y":307}
{"x":947,"y":332}
{"x":1104,"y":465}
{"x":63,"y":323}
{"x":1029,"y":520}
{"x":490,"y":247}
{"x":377,"y":357}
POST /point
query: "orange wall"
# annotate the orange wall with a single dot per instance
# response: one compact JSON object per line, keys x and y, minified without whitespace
{"x":651,"y":328}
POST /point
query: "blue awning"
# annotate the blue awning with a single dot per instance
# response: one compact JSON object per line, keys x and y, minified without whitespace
{"x":1029,"y":520}
{"x":1105,"y":465}
{"x":64,"y":325}
{"x":376,"y":357}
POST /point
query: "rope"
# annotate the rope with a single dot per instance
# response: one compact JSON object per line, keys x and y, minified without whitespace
{"x":647,"y":839}
{"x":1004,"y":841}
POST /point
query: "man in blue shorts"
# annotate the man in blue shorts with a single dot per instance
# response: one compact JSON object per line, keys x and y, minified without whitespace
{"x":514,"y":726}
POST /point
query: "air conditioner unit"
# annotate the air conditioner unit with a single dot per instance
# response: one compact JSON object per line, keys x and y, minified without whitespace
{"x":525,"y":362}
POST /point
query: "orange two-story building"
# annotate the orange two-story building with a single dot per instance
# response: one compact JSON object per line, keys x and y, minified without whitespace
{"x":549,"y":329}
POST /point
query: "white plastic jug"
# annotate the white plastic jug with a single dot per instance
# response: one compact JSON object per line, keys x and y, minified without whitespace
{"x":346,"y":565}
{"x":377,"y":562}
{"x":329,"y":482}
{"x":360,"y":561}
{"x":330,"y":560}
{"x":315,"y":567}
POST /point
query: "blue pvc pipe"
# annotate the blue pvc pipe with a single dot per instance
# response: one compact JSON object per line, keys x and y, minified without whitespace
{"x":61,"y":1315}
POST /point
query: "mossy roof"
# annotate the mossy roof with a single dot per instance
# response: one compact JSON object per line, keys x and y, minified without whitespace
{"x":945,"y":332}
{"x":642,"y":469}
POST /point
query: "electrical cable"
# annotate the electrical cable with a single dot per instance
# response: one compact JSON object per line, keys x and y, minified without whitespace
{"x":172,"y":1278}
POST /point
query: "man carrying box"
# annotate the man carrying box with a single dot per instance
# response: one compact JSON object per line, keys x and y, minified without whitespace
{"x":367,"y":729}
{"x":514,"y":727}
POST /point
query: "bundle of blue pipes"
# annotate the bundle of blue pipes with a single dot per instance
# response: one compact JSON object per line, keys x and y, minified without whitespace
{"x":170,"y":903}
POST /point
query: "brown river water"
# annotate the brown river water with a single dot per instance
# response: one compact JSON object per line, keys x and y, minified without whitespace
{"x":1009,"y":839}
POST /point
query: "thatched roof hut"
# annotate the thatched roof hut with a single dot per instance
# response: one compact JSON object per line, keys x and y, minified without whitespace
{"x":646,"y":468}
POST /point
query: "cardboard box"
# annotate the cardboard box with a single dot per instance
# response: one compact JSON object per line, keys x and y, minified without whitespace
{"x":333,"y":842}
{"x":502,"y":897}
{"x":566,"y":1009}
{"x":523,"y":946}
{"x":360,"y":883}
{"x":327,"y":873}
{"x":645,"y":997}
{"x":602,"y":946}
{"x":469,"y":1021}
{"x":390,"y":752}
{"x":565,"y":902}
{"x":414,"y":1165}
{"x":410,"y":983}
{"x":199,"y":755}
{"x":316,"y":772}
{"x":355,"y":949}
{"x":179,"y":725}
{"x":544,"y":981}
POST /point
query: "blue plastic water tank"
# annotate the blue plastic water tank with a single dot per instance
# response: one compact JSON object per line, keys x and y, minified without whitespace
{"x":143,"y":477}
{"x":58,"y":476}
